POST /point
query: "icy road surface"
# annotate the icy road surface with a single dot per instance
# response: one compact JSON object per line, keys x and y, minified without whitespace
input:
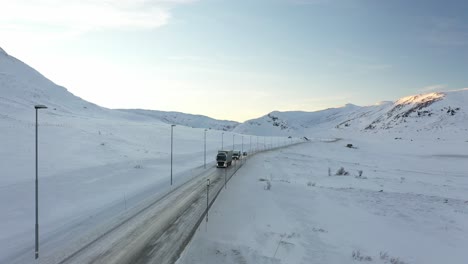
{"x":155,"y":229}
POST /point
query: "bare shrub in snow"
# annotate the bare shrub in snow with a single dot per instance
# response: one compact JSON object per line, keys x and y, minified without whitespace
{"x":396,"y":261}
{"x":311,"y":184}
{"x":342,"y":172}
{"x":357,"y":256}
{"x":329,"y":172}
{"x":103,"y":144}
{"x":359,"y":176}
{"x":262,"y":179}
{"x":138,"y":166}
{"x":385,"y":257}
{"x":402,"y":179}
{"x":321,"y":230}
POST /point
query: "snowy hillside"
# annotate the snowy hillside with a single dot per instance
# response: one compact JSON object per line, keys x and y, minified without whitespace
{"x":434,"y":112}
{"x":296,"y":122}
{"x":427,"y":112}
{"x":21,"y":87}
{"x":91,"y":159}
{"x":189,"y":120}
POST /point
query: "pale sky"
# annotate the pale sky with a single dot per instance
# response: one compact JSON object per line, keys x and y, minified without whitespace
{"x":240,"y":59}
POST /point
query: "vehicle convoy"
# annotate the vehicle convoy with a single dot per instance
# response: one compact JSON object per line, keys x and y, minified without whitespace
{"x":224,"y":158}
{"x":236,"y":154}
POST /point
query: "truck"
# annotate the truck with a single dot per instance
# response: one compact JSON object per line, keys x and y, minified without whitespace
{"x":236,"y":154}
{"x":224,"y":158}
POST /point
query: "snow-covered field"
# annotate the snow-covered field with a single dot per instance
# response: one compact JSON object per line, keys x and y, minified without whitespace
{"x":410,"y":205}
{"x":89,"y":166}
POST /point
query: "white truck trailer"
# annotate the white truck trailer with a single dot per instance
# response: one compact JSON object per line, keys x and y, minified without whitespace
{"x":224,"y":158}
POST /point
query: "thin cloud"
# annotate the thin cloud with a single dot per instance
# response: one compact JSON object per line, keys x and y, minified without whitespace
{"x":448,"y":32}
{"x":83,"y":16}
{"x":433,"y":88}
{"x":309,"y":2}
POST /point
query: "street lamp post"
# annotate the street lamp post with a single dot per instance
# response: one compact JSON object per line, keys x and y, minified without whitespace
{"x":242,"y":150}
{"x":222,"y":140}
{"x":207,"y":198}
{"x":233,"y":136}
{"x":172,"y":144}
{"x":204,"y":166}
{"x":37,"y":107}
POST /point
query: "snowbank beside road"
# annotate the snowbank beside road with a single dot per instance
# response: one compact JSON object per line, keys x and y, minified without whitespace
{"x":407,"y":207}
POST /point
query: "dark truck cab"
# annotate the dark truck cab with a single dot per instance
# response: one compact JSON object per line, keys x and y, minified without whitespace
{"x":224,"y":158}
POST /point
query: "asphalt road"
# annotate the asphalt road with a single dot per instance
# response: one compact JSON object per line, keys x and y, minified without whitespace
{"x":159,"y":232}
{"x":155,"y":231}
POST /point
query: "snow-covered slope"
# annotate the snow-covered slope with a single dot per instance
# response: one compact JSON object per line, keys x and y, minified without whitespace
{"x":90,"y":160}
{"x":443,"y":112}
{"x":189,"y":120}
{"x":21,"y":87}
{"x":295,"y":122}
{"x":433,"y":112}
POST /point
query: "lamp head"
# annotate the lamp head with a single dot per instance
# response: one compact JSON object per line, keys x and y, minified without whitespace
{"x":40,"y":106}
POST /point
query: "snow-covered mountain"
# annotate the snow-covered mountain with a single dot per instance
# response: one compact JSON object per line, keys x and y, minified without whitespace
{"x":432,"y":112}
{"x":21,"y":87}
{"x":92,"y":135}
{"x":189,"y":120}
{"x":90,"y":159}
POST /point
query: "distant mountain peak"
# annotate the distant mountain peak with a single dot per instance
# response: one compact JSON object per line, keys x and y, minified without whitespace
{"x":350,"y":105}
{"x":2,"y":52}
{"x":420,"y":98}
{"x":434,"y":112}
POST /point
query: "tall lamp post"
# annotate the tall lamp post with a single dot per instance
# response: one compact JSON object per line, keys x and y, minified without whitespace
{"x":257,"y":145}
{"x":172,"y":144}
{"x":204,"y":166}
{"x":242,"y":148}
{"x":37,"y":107}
